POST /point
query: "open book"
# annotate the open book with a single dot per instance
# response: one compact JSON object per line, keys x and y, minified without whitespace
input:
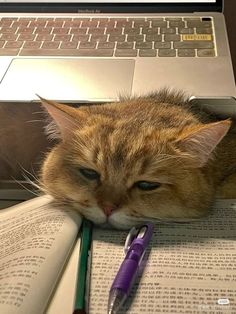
{"x":189,"y":268}
{"x":36,"y":240}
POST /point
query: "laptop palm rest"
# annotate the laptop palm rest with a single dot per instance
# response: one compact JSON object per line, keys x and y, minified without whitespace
{"x":68,"y":79}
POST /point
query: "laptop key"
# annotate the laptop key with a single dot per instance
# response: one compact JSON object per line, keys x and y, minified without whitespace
{"x":69,"y":45}
{"x":132,"y":31}
{"x":168,"y":31}
{"x":89,"y":23}
{"x":106,"y":45}
{"x":106,"y":24}
{"x":156,"y":23}
{"x":82,"y":38}
{"x":5,"y":23}
{"x":78,"y":31}
{"x":96,"y":31}
{"x":139,"y":38}
{"x":37,"y":24}
{"x":13,"y":44}
{"x":87,"y":45}
{"x":142,"y":23}
{"x":199,"y":24}
{"x":50,"y":45}
{"x":147,"y":53}
{"x":124,"y":23}
{"x":27,"y":37}
{"x":38,"y":30}
{"x":174,"y":19}
{"x":201,"y":30}
{"x":114,"y":31}
{"x":186,"y":31}
{"x":97,"y":19}
{"x":126,"y":53}
{"x":9,"y":52}
{"x":66,"y":52}
{"x":194,"y":44}
{"x":166,"y":53}
{"x":98,"y":38}
{"x":118,"y":38}
{"x":153,"y":37}
{"x":32,"y":44}
{"x":206,"y":53}
{"x":176,"y":23}
{"x":162,"y":45}
{"x":60,"y":31}
{"x":7,"y":30}
{"x":150,"y":31}
{"x":172,"y":37}
{"x":55,"y":24}
{"x":186,"y":53}
{"x":125,"y":45}
{"x":65,"y":37}
{"x":197,"y":37}
{"x":194,"y":19}
{"x":143,"y":45}
{"x":9,"y":37}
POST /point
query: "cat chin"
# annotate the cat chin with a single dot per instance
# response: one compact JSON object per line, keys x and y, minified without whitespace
{"x":117,"y":220}
{"x":120,"y":220}
{"x":95,"y":215}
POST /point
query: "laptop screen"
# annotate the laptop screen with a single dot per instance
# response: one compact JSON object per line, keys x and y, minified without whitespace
{"x":114,"y":6}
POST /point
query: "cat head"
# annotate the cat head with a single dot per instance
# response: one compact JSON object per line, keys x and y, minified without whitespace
{"x":125,"y":163}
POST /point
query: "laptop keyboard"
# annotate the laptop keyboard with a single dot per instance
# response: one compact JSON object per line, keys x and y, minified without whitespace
{"x":108,"y":37}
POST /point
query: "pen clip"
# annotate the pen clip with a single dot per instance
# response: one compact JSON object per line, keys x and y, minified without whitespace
{"x":144,"y":231}
{"x":130,"y":238}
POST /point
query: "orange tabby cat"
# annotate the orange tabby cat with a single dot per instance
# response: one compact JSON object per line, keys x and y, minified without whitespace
{"x":139,"y":159}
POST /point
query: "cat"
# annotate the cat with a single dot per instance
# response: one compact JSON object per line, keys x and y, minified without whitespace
{"x":143,"y":158}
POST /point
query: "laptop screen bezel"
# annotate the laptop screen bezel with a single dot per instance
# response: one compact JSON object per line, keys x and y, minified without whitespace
{"x":114,"y":8}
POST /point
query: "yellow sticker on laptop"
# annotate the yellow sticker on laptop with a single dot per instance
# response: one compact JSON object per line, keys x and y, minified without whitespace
{"x":196,"y":37}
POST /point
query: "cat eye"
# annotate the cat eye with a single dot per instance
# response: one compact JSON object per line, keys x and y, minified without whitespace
{"x":147,"y":186}
{"x":89,"y":174}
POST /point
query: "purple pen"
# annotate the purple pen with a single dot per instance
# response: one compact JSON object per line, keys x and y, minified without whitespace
{"x":124,"y":280}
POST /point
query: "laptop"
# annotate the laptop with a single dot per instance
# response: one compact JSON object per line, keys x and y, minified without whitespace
{"x":94,"y":51}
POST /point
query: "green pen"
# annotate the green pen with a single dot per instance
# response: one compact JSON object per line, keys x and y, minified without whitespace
{"x":83,"y":269}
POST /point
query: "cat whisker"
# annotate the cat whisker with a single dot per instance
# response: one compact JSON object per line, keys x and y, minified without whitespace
{"x":33,"y":181}
{"x":24,"y":187}
{"x":33,"y":175}
{"x":33,"y":121}
{"x":42,"y":112}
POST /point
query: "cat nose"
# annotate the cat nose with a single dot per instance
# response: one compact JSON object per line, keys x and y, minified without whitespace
{"x":109,"y":208}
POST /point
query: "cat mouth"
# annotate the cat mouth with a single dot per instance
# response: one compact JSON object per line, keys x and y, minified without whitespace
{"x":120,"y":219}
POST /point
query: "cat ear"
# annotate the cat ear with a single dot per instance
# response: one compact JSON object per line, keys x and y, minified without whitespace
{"x":199,"y":143}
{"x":65,"y":117}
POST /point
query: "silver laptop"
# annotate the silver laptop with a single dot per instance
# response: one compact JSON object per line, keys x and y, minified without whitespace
{"x":88,"y":50}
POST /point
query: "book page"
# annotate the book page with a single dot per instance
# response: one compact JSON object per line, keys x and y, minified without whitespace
{"x":188,"y":268}
{"x":63,"y":300}
{"x":36,"y":239}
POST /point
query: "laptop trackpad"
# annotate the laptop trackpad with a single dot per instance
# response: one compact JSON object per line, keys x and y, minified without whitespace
{"x":68,"y":79}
